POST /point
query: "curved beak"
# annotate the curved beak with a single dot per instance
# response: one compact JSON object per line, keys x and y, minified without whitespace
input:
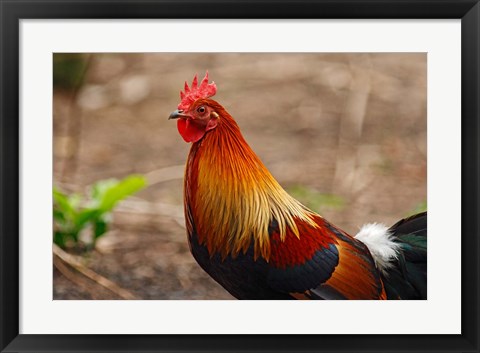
{"x":177,"y":114}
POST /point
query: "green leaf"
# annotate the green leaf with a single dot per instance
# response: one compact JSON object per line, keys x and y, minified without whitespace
{"x":58,"y":215}
{"x":100,"y":188}
{"x":121,"y":190}
{"x":86,"y":215}
{"x":61,"y":201}
{"x":71,"y":216}
{"x":59,"y":239}
{"x":100,"y":228}
{"x":74,"y":200}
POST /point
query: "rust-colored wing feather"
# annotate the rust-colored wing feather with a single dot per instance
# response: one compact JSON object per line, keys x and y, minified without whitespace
{"x":323,"y":263}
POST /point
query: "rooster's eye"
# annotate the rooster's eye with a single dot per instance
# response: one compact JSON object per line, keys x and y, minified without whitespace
{"x":201,"y":109}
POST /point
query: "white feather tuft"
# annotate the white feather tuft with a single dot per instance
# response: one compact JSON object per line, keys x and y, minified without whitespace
{"x":379,"y":241}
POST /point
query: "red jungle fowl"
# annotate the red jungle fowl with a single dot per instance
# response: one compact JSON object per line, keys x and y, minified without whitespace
{"x":258,"y":242}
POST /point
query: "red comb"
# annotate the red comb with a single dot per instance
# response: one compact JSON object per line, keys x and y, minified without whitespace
{"x":191,"y":94}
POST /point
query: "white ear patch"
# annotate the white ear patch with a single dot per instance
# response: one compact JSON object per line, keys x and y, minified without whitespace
{"x":379,"y":241}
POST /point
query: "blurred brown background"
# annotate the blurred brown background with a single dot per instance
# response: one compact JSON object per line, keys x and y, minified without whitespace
{"x":344,"y":133}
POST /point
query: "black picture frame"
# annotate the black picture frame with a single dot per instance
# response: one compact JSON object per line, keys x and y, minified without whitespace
{"x":12,"y":11}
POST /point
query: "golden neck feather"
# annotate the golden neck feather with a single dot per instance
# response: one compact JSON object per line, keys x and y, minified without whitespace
{"x":232,"y":197}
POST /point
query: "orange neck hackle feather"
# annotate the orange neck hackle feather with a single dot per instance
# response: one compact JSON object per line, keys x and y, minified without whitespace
{"x":232,"y":197}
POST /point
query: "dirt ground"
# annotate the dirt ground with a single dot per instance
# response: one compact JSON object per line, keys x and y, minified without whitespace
{"x":349,"y":125}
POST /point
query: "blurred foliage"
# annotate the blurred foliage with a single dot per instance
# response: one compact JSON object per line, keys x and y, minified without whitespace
{"x":72,"y":215}
{"x":68,"y":70}
{"x":314,"y":199}
{"x":421,"y":207}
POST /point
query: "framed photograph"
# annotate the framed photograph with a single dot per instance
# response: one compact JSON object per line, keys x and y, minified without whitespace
{"x":185,"y":155}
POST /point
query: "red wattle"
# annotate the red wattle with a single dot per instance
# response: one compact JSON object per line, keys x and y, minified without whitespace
{"x":190,"y":131}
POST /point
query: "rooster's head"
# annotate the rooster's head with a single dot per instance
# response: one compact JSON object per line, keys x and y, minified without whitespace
{"x":196,"y":113}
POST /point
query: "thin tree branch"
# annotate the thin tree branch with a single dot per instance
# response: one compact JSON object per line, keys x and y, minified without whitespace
{"x":73,"y":262}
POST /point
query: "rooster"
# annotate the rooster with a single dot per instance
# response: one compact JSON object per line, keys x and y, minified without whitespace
{"x":258,"y":242}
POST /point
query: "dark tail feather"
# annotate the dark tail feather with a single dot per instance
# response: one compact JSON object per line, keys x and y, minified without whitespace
{"x":408,"y":278}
